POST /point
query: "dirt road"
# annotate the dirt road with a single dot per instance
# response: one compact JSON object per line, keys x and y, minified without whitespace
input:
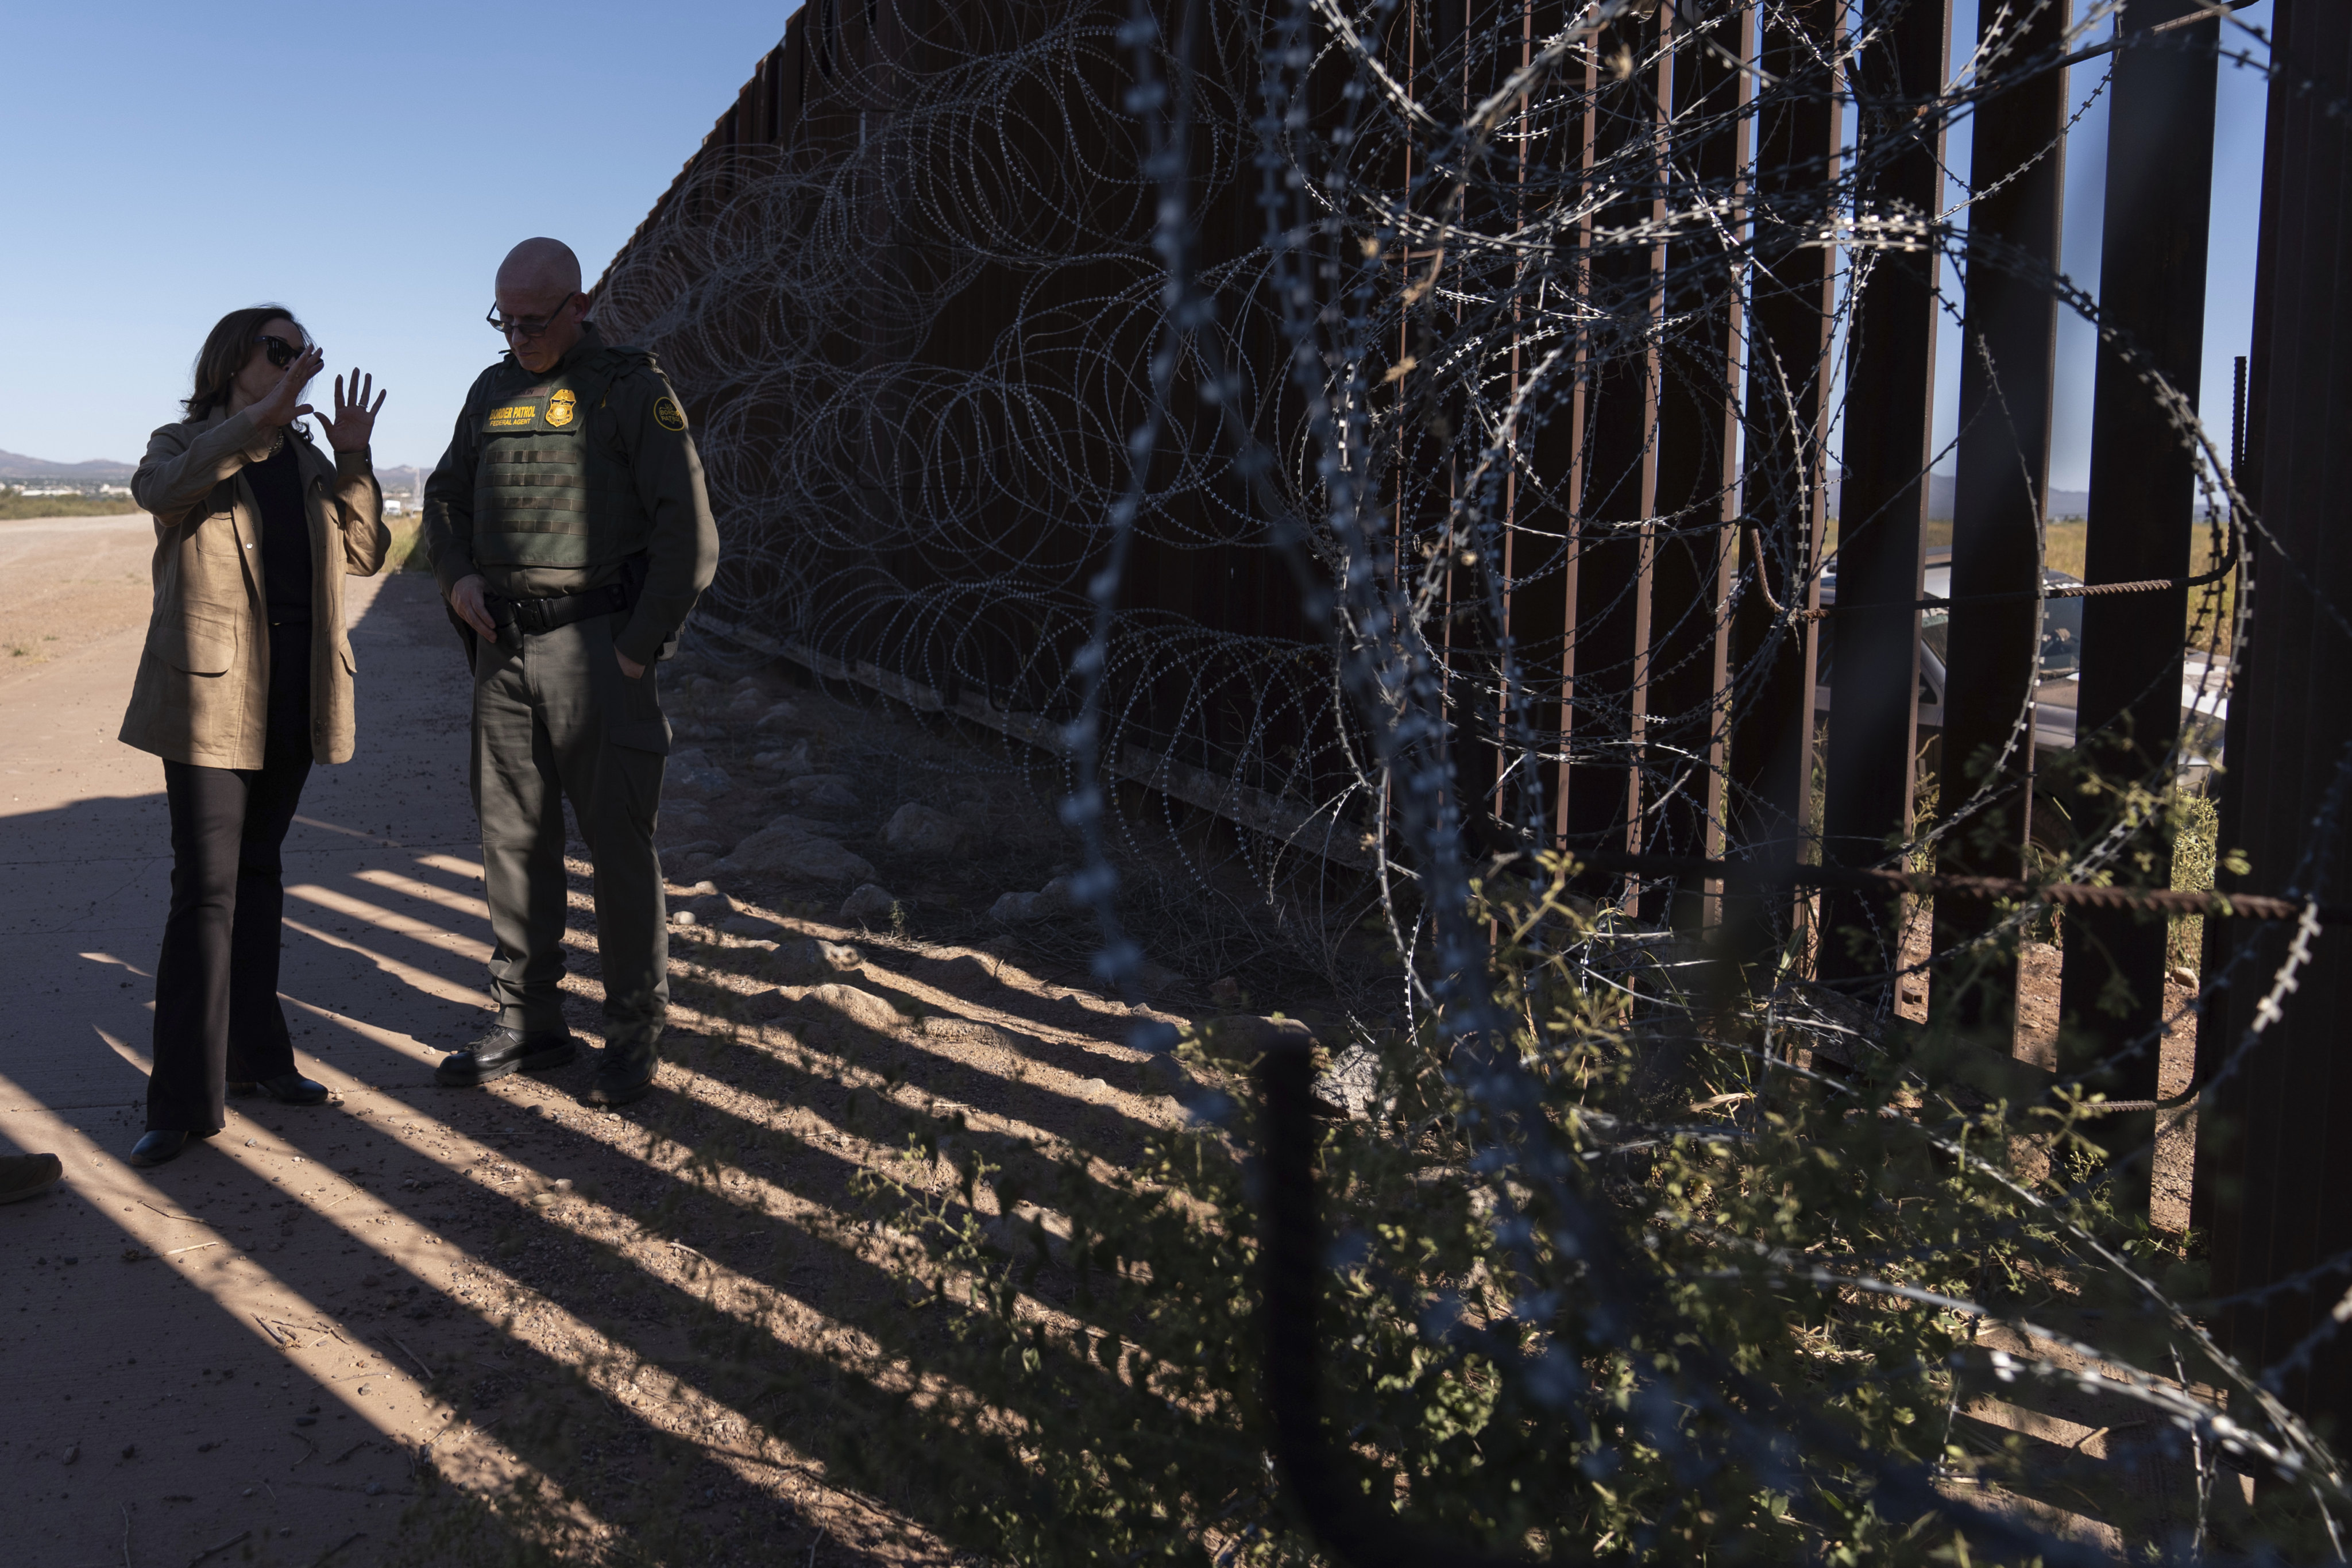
{"x":332,"y":1333}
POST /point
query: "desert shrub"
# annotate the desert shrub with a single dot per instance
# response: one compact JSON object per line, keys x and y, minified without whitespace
{"x":1805,"y":1232}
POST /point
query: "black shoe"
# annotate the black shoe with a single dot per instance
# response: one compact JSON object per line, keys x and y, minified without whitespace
{"x":502,"y":1051}
{"x":624,"y":1073}
{"x":286,"y":1089}
{"x":160,"y":1148}
{"x":28,"y":1176}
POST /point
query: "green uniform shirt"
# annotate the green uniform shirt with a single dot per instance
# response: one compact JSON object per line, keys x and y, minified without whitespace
{"x":682,"y":548}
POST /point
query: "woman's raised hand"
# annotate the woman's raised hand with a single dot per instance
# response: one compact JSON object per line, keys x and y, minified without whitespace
{"x":283,"y":405}
{"x":354,"y":421}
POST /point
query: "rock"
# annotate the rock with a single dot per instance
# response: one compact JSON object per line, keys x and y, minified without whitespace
{"x":1226,"y":993}
{"x":698,"y":847}
{"x":695,"y":730}
{"x":1349,"y":1088}
{"x":973,"y":811}
{"x":826,"y":792}
{"x":763,"y":1006}
{"x":967,"y":1031}
{"x":702,"y":908}
{"x":855,"y":1006}
{"x":776,"y":718}
{"x":919,"y":830}
{"x":692,"y":775}
{"x":748,"y":925}
{"x":703,"y":686}
{"x":964,"y":975}
{"x":684,"y":818}
{"x":869,"y":902}
{"x":1016,"y":908}
{"x":782,"y":852}
{"x":700,"y":784}
{"x":791,"y":764}
{"x":807,"y":827}
{"x":1056,"y":894}
{"x":808,"y":960}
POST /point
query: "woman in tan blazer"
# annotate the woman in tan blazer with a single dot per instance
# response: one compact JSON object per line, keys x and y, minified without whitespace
{"x":245,"y":682}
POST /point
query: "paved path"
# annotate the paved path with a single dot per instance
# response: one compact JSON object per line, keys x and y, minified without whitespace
{"x":182,"y":1360}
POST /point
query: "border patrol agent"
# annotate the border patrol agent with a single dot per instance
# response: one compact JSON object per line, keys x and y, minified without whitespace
{"x":570,"y":531}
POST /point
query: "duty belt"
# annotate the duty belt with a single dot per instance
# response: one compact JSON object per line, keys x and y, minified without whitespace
{"x":538,"y":616}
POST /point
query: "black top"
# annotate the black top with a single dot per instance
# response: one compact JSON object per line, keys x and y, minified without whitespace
{"x":285,"y":533}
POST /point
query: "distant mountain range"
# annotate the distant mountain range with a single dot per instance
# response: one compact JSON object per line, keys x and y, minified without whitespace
{"x":2063,"y":503}
{"x":16,"y":466}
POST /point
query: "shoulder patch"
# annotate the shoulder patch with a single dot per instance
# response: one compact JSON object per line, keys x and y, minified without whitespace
{"x":668,"y":414}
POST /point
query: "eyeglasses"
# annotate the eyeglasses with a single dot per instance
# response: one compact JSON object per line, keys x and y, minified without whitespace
{"x":528,"y":327}
{"x":281,"y":353}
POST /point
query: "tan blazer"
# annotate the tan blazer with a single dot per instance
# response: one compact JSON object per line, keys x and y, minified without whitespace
{"x":202,"y":692}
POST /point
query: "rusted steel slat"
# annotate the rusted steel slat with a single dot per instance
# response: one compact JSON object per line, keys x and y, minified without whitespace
{"x":2143,"y":507}
{"x":2275,"y":1145}
{"x":1873,"y":677}
{"x":2009,"y":357}
{"x":1791,"y":313}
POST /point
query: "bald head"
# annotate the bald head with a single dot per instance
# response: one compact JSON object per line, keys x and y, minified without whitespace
{"x":540,"y":267}
{"x":539,"y":282}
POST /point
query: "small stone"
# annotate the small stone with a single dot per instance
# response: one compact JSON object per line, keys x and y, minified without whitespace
{"x":1226,"y":992}
{"x":1014,"y":908}
{"x":131,"y":1451}
{"x":919,"y":830}
{"x":776,"y":718}
{"x":306,"y":1421}
{"x":375,"y":1488}
{"x":2181,"y":974}
{"x":809,"y":960}
{"x":73,"y":1453}
{"x":1056,"y":894}
{"x":562,"y":1183}
{"x":869,"y":902}
{"x":682,"y":918}
{"x":698,"y":847}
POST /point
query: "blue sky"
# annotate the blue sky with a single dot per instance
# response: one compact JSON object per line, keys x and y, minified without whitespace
{"x":2229,"y":265}
{"x":368,"y":166}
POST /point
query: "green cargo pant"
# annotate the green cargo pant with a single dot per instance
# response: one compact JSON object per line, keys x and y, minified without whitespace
{"x":554,"y":719}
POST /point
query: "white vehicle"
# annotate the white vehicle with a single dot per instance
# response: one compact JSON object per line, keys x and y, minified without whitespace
{"x":2204,"y":696}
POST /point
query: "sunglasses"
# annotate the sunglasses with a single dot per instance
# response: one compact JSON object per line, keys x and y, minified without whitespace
{"x":528,"y":327}
{"x":281,"y":353}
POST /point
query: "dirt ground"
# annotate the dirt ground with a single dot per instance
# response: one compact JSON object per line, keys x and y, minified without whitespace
{"x":671,"y":1324}
{"x":65,"y":582}
{"x":2039,"y":968}
{"x":651,"y":1324}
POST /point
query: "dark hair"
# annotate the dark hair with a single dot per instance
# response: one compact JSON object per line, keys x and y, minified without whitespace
{"x":227,"y":348}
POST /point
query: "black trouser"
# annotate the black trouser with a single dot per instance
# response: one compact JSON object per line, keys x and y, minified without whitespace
{"x":217,"y":1016}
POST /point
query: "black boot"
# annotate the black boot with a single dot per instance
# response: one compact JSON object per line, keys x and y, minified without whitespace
{"x":286,"y":1089}
{"x":162,"y":1146}
{"x":624,"y":1072}
{"x":505,"y":1050}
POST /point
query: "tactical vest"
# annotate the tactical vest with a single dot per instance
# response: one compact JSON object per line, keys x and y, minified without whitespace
{"x":547,"y":492}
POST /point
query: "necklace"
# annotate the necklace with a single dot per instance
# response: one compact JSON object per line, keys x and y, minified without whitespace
{"x":277,"y":443}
